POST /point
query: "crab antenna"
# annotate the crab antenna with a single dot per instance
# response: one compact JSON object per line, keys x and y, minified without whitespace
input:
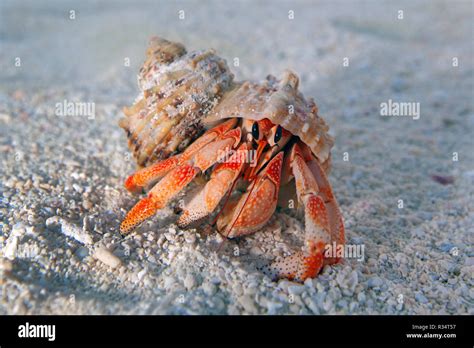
{"x":252,"y":172}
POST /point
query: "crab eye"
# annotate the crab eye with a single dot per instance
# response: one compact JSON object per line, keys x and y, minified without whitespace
{"x":278,"y":134}
{"x":255,"y":131}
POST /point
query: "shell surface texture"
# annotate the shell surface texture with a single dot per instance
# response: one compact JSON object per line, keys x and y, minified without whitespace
{"x":191,"y":119}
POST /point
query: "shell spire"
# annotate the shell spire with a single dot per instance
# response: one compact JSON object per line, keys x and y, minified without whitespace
{"x":177,"y":90}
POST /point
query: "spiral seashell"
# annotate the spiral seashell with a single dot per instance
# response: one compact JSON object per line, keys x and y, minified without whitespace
{"x":177,"y":89}
{"x":183,"y":93}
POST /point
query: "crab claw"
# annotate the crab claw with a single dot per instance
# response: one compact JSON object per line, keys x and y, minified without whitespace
{"x":323,"y":221}
{"x":257,"y":205}
{"x":306,"y":263}
{"x":298,"y":266}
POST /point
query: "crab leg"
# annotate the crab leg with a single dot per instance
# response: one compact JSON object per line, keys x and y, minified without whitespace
{"x":257,"y":205}
{"x":336,"y":224}
{"x":141,"y":178}
{"x":176,"y":179}
{"x":323,"y":222}
{"x":137,"y":181}
{"x":222,"y":179}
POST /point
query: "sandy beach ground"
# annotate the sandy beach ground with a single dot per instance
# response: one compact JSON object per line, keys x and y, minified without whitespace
{"x":405,"y":184}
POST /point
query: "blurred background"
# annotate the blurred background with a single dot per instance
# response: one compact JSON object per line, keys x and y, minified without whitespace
{"x":351,"y":56}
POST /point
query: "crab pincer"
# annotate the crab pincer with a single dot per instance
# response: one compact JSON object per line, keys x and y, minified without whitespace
{"x":257,"y":205}
{"x":323,"y":221}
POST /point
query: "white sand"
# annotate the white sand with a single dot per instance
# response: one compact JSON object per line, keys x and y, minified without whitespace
{"x":70,"y":170}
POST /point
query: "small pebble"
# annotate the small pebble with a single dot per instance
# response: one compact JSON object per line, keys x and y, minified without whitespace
{"x":70,"y":230}
{"x":9,"y":250}
{"x":86,"y":204}
{"x":209,"y":288}
{"x":141,"y":274}
{"x":421,"y":298}
{"x":296,"y":289}
{"x":238,"y":289}
{"x":248,"y":303}
{"x":189,"y":281}
{"x":5,"y":265}
{"x":82,"y":252}
{"x":375,"y":282}
{"x":168,"y":281}
{"x":106,"y":257}
{"x":190,"y":238}
{"x":77,"y":188}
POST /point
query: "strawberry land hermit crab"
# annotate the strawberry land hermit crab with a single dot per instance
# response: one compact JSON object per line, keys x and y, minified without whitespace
{"x":186,"y":94}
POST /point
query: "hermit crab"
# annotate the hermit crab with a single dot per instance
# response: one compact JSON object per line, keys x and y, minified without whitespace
{"x":264,"y":136}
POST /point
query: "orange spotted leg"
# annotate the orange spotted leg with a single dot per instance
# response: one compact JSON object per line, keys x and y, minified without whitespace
{"x":323,"y":222}
{"x":143,"y":177}
{"x":176,"y":179}
{"x":222,"y":180}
